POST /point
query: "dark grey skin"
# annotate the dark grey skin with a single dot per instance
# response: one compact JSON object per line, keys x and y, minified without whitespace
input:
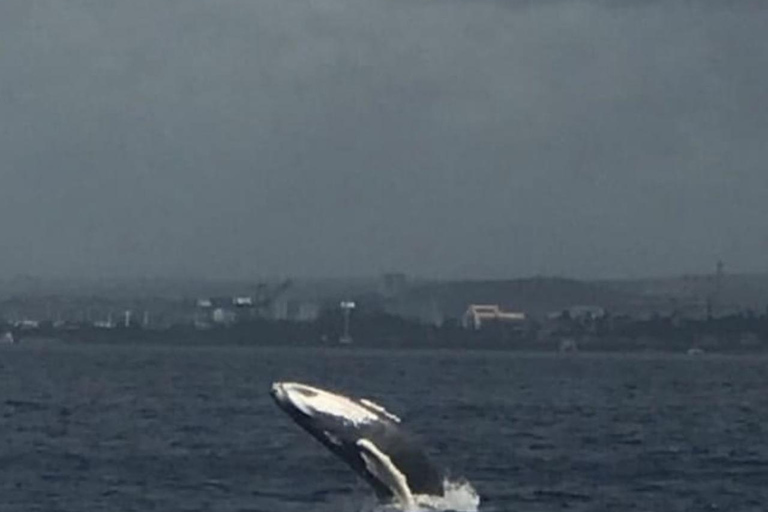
{"x":402,"y":448}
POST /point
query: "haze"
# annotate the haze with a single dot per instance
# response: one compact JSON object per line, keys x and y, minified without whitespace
{"x":443,"y":138}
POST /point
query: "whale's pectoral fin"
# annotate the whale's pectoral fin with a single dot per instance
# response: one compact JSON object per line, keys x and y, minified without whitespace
{"x":380,"y":466}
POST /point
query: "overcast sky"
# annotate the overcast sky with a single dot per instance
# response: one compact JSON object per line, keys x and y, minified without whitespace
{"x":444,"y":138}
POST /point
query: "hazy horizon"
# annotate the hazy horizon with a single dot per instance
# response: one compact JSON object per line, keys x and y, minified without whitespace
{"x":412,"y":278}
{"x":338,"y":138}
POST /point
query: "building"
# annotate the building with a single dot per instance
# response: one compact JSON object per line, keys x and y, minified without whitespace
{"x":296,"y":310}
{"x":478,"y":315}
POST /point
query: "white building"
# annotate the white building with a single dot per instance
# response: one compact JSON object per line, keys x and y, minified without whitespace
{"x":478,"y":314}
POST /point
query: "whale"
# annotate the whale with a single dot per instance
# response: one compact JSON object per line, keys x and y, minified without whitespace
{"x":367,"y":437}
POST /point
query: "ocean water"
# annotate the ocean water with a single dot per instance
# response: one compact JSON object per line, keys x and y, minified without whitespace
{"x":104,"y":428}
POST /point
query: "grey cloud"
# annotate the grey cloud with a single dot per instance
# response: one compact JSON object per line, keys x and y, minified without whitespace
{"x":345,"y":137}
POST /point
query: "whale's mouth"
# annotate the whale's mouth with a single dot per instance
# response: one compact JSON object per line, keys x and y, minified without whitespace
{"x":292,"y":396}
{"x":284,"y":390}
{"x":278,"y":393}
{"x":282,"y":397}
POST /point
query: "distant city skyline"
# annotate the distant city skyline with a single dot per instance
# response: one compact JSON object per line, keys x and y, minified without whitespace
{"x":347,"y":138}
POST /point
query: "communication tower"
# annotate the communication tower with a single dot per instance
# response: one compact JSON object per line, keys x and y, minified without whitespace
{"x":346,"y":307}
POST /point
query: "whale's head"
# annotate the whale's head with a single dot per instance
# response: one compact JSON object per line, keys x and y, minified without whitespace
{"x":307,"y":404}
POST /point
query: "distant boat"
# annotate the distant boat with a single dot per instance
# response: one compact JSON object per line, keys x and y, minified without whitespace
{"x":568,"y":345}
{"x":8,"y":339}
{"x":695,"y":351}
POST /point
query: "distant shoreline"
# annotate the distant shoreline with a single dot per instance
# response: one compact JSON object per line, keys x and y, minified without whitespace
{"x":547,"y":346}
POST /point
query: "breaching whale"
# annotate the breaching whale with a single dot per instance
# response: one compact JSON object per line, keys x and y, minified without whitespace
{"x":367,"y":437}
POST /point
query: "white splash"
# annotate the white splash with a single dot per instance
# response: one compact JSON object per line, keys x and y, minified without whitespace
{"x":459,"y":496}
